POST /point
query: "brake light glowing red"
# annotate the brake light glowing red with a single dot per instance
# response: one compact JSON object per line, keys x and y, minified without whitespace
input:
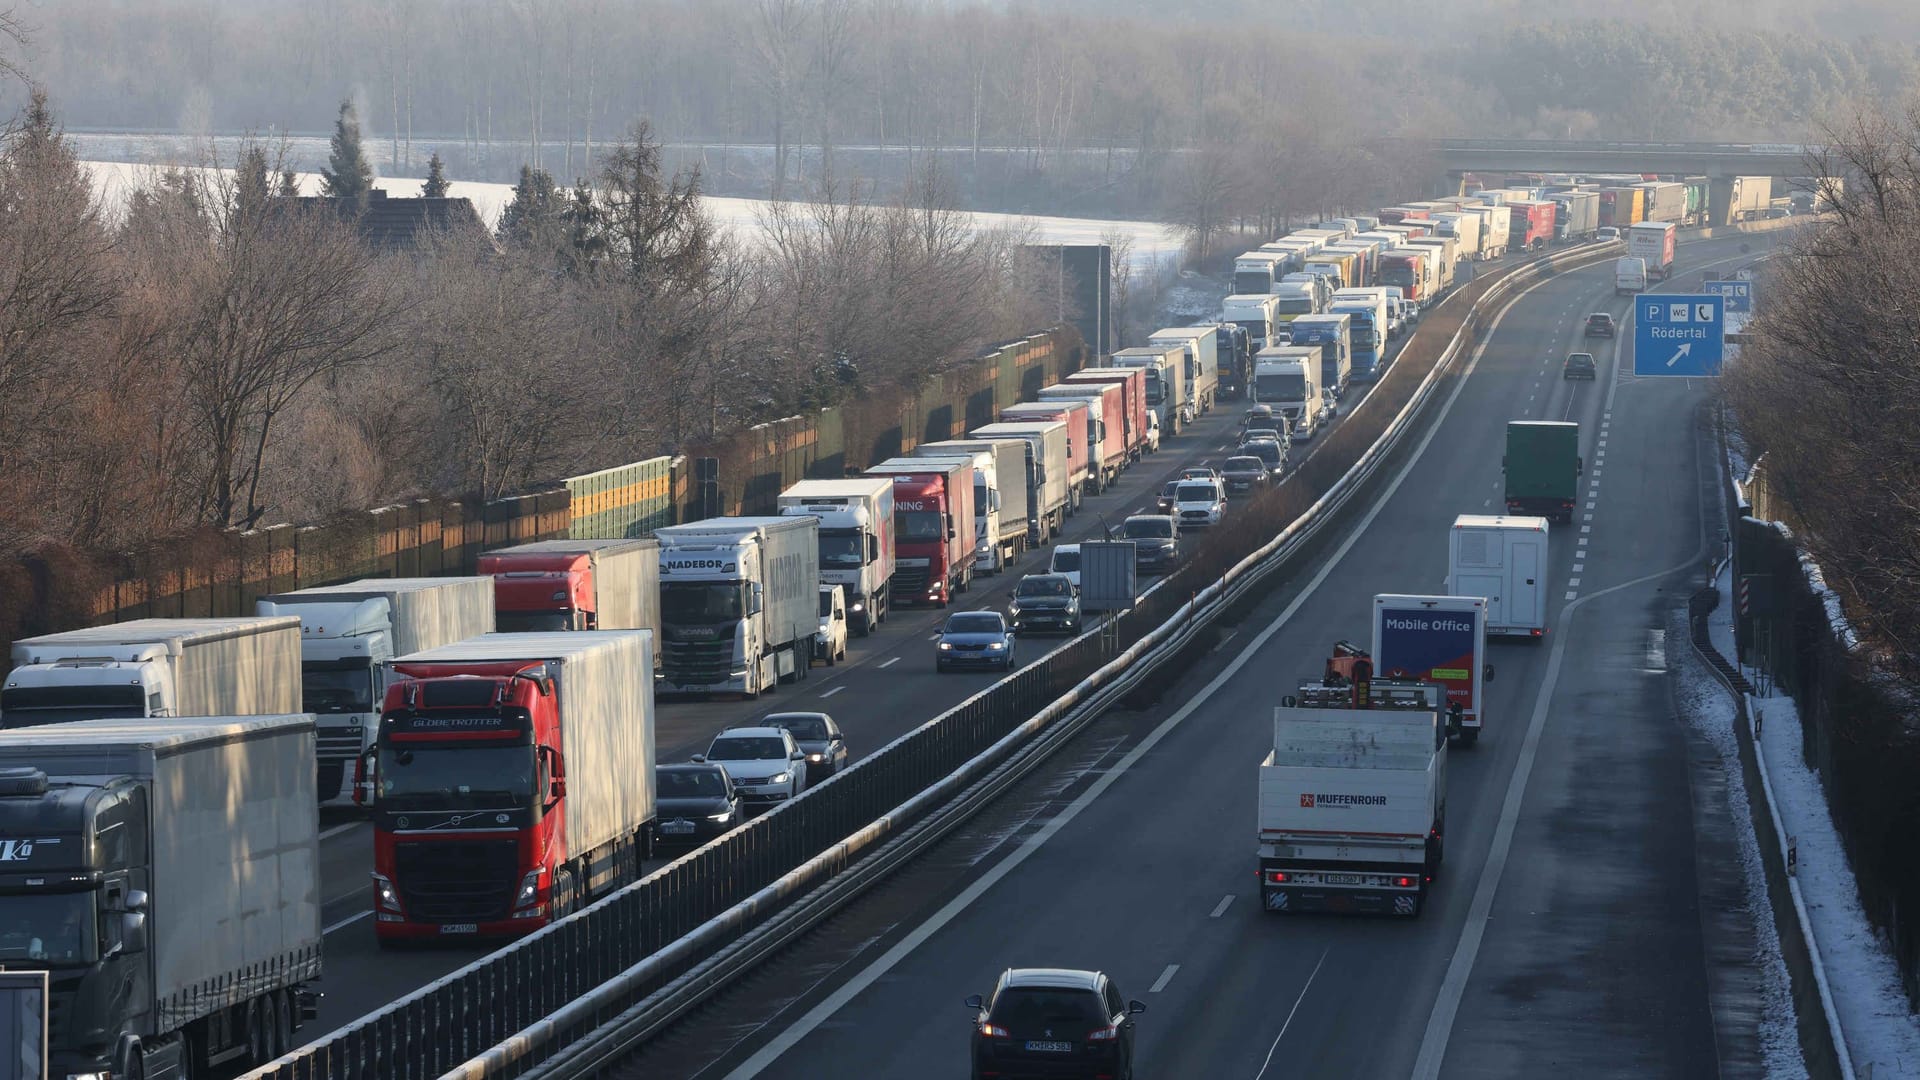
{"x":1105,"y":1034}
{"x":1403,"y":882}
{"x":1278,"y":877}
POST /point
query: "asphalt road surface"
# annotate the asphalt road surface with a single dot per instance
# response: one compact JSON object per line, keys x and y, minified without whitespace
{"x":1586,"y":922}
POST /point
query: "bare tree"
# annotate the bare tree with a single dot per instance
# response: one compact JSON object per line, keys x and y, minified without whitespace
{"x":775,"y":29}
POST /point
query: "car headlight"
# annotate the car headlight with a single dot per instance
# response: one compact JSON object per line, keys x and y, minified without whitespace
{"x":857,"y":606}
{"x":1013,"y":608}
{"x":779,"y":778}
{"x":815,"y":759}
{"x":996,"y":645}
{"x":720,"y":817}
{"x":945,"y":645}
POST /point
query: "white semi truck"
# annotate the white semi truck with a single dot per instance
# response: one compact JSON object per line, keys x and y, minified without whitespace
{"x":347,"y":632}
{"x":739,"y":603}
{"x":1353,"y":795}
{"x":1288,"y":378}
{"x":1166,"y":368}
{"x":155,"y":667}
{"x":1202,"y":344}
{"x":1049,"y":479}
{"x":856,"y":541}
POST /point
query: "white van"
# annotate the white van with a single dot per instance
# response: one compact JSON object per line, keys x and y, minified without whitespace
{"x":1629,"y":275}
{"x":1504,"y":560}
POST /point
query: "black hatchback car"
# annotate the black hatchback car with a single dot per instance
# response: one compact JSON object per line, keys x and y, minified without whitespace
{"x":1579,"y":366}
{"x":695,"y":802}
{"x":1599,"y":324}
{"x":1246,"y":475}
{"x":1053,"y":1022}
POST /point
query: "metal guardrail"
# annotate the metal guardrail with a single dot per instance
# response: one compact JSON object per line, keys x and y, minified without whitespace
{"x":637,"y":958}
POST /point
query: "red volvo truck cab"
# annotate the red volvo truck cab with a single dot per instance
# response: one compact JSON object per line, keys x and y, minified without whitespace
{"x":1531,"y":225}
{"x":933,"y":538}
{"x":511,"y":782}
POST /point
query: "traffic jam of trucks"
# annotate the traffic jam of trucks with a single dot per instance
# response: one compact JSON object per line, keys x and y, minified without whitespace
{"x":498,"y":731}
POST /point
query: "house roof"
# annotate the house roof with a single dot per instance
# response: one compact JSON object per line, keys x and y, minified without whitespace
{"x":390,"y":224}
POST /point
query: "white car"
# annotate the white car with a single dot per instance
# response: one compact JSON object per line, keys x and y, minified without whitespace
{"x":1153,"y":433}
{"x":1199,"y":502}
{"x":830,"y":642}
{"x":766,"y":765}
{"x":1066,"y":560}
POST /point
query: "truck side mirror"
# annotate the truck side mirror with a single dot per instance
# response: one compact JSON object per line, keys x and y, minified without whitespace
{"x":364,"y":768}
{"x":1579,"y":466}
{"x":1487,"y":673}
{"x":753,"y":601}
{"x":133,"y":930}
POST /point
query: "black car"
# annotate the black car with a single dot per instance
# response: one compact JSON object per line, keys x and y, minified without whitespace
{"x":1053,"y":1022}
{"x":819,"y":738}
{"x":695,"y":803}
{"x":1599,"y":324}
{"x":1156,"y":541}
{"x":1164,"y":501}
{"x":1271,"y":454}
{"x":1258,"y":416}
{"x":1246,"y":475}
{"x":1579,"y":366}
{"x":1045,"y":603}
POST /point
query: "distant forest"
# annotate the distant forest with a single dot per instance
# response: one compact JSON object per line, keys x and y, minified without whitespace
{"x":1071,"y":105}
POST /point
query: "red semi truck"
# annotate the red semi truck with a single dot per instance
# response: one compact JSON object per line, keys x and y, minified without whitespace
{"x":1531,"y":224}
{"x":1108,"y":406}
{"x":1133,"y":386}
{"x":575,"y":585}
{"x":933,"y":532}
{"x":1394,"y":215}
{"x":1082,"y":479}
{"x":511,"y":782}
{"x":1407,"y":270}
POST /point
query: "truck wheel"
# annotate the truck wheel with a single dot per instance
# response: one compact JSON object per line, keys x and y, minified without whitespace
{"x":282,"y":1023}
{"x":1469,"y":737}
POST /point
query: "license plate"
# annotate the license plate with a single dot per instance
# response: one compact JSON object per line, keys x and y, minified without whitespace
{"x":460,"y":928}
{"x":677,"y":828}
{"x":1343,"y":879}
{"x":1050,"y":1047}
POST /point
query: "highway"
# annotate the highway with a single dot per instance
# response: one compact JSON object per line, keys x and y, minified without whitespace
{"x":886,"y":687}
{"x":1586,"y":921}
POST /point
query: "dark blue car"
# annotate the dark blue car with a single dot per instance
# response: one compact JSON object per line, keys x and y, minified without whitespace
{"x":975,"y":639}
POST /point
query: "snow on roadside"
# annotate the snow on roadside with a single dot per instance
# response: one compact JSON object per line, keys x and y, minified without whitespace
{"x":1861,"y":973}
{"x":1705,"y":704}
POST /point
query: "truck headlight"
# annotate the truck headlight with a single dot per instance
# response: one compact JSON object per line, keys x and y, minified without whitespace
{"x":529,"y":889}
{"x":386,"y":897}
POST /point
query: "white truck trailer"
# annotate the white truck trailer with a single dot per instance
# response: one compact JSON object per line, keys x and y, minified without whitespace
{"x":165,"y":873}
{"x":856,"y":541}
{"x":1166,"y":368}
{"x":739,"y":603}
{"x":1353,"y":799}
{"x":1049,"y":482}
{"x":999,"y":496}
{"x":348,"y":632}
{"x":155,"y":667}
{"x":1503,"y":559}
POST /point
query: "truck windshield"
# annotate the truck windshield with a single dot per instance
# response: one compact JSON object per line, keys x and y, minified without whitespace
{"x":29,"y":706}
{"x":461,"y":776}
{"x":1296,"y":305}
{"x":702,"y":601}
{"x":841,"y":548}
{"x":1154,"y":392}
{"x":1252,"y":281}
{"x":1401,"y":275}
{"x":48,"y":928}
{"x":531,"y":622}
{"x":918,"y":526}
{"x":1280,"y":386}
{"x":337,"y":686}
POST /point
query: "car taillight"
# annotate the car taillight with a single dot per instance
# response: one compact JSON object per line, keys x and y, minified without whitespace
{"x":1105,"y":1034}
{"x":1278,"y":877}
{"x":1404,"y":882}
{"x":993,"y":1032}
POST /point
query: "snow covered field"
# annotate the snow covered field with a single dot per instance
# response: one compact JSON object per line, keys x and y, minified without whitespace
{"x":1152,"y":241}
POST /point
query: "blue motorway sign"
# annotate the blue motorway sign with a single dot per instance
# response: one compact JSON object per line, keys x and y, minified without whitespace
{"x":1738,"y":295}
{"x":1678,"y":335}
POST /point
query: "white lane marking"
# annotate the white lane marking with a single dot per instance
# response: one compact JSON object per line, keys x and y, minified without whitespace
{"x":1573,"y":583}
{"x":894,"y":661}
{"x":832,"y":692}
{"x":328,"y":834}
{"x":1583,"y":541}
{"x":1572,"y":595}
{"x":1290,"y":1012}
{"x":1486,"y":502}
{"x":1579,"y":566}
{"x":933,"y":637}
{"x":1586,"y":528}
{"x":348,"y":921}
{"x":1586,"y":517}
{"x":777,"y":1047}
{"x":1221,"y":908}
{"x":1589,"y":504}
{"x":1166,"y":977}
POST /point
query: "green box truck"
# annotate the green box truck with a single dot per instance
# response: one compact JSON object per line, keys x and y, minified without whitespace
{"x":1543,"y":468}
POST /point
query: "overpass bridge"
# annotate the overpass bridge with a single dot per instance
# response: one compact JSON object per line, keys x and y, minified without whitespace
{"x":1717,"y":160}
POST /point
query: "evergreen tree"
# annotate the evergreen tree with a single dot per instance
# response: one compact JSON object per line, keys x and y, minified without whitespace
{"x":254,"y":183}
{"x":586,"y":242}
{"x":436,"y":185}
{"x":347,"y":175}
{"x":532,"y":216}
